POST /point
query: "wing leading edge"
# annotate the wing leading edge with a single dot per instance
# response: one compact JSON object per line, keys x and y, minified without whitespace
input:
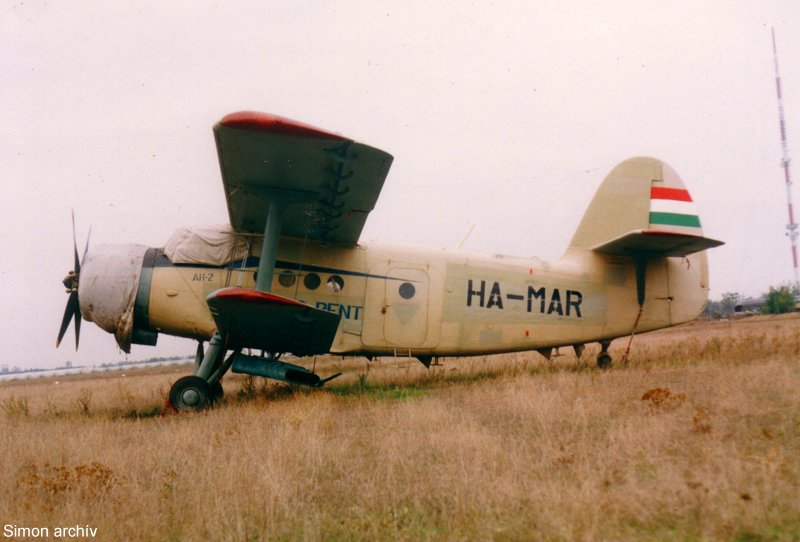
{"x":332,"y":181}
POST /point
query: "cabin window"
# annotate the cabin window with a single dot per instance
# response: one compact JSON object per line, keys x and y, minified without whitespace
{"x":287,"y":279}
{"x":312,"y":281}
{"x":335,"y":283}
{"x":407,"y":290}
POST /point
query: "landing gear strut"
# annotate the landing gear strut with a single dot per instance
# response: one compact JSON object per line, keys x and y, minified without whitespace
{"x":203,"y":388}
{"x":604,"y":358}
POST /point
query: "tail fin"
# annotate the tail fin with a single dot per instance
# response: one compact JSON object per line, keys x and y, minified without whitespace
{"x":642,"y":207}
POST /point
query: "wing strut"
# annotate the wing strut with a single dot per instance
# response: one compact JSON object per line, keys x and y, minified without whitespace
{"x":269,"y":248}
{"x":277,"y":200}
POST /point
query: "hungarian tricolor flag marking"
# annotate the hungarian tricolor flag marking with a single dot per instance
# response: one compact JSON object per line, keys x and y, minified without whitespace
{"x":672,"y":207}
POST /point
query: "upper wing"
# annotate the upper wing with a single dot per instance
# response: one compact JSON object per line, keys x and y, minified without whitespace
{"x":332,"y":181}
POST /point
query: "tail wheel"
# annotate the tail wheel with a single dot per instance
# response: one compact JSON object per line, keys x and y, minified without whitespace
{"x":604,"y":358}
{"x":190,"y":393}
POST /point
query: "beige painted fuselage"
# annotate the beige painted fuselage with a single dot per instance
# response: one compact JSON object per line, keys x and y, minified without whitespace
{"x":427,"y":302}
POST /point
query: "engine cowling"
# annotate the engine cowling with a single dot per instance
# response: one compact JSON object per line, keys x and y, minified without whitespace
{"x":110,"y":278}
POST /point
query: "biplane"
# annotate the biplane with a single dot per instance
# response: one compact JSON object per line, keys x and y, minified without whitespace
{"x":288,"y":274}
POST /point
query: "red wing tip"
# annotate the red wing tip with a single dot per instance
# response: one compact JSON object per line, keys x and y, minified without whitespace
{"x":274,"y":124}
{"x":254,"y":296}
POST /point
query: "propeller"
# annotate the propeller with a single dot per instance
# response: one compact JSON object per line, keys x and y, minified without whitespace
{"x":71,"y":283}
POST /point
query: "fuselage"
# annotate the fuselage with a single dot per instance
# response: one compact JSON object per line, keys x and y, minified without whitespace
{"x":636,"y":263}
{"x":427,"y":302}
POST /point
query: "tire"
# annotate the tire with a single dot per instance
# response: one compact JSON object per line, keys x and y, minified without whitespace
{"x":604,"y":361}
{"x":190,"y":393}
{"x":217,"y":393}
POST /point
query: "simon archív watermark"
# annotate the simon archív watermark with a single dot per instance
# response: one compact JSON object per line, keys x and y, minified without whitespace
{"x":71,"y":532}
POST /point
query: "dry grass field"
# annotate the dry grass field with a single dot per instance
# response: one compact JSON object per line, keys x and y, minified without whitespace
{"x":698,"y":438}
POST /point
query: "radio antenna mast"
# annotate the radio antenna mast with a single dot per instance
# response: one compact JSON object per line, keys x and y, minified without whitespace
{"x":791,"y":227}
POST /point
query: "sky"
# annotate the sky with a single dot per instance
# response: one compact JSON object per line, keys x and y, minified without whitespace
{"x":502,"y":117}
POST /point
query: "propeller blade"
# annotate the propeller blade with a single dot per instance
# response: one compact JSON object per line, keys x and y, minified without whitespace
{"x":72,"y":309}
{"x":77,"y":323}
{"x":86,"y":248}
{"x":77,"y":263}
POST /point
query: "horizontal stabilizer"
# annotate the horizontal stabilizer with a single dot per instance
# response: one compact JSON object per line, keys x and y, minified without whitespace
{"x":254,"y":319}
{"x":655,"y":242}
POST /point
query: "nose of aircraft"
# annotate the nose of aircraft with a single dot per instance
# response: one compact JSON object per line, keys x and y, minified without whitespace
{"x":109,"y":280}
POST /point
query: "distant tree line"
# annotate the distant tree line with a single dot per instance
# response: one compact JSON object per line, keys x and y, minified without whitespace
{"x":148,"y":360}
{"x":778,"y":300}
{"x":781,"y":299}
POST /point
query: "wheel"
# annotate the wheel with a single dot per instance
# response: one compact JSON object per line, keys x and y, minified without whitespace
{"x":216,"y":392}
{"x":190,"y":393}
{"x":604,"y":361}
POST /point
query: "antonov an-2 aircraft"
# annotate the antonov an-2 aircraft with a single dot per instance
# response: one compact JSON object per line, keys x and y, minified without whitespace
{"x":288,"y":275}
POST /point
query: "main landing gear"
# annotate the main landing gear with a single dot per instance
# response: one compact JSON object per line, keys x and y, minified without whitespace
{"x":203,"y":388}
{"x":194,"y":393}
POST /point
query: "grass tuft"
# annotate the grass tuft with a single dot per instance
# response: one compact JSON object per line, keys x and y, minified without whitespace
{"x":15,"y":407}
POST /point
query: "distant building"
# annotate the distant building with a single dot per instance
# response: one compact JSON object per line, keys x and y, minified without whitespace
{"x":750,"y":305}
